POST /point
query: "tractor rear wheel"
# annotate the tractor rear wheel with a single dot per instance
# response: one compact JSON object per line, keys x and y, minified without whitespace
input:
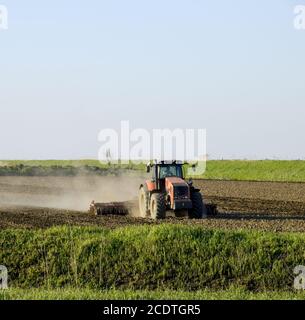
{"x":199,"y":209}
{"x":143,"y":203}
{"x":157,"y":206}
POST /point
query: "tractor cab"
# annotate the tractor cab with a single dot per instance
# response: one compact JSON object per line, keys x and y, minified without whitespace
{"x":165,"y":169}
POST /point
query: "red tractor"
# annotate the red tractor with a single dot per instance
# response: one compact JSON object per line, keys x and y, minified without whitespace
{"x":168,"y":190}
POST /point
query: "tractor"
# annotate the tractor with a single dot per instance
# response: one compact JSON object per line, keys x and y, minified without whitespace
{"x":167,"y":189}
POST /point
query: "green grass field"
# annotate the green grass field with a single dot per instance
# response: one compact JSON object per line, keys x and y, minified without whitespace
{"x":186,"y":260}
{"x":260,"y":170}
{"x":87,"y":294}
{"x":256,"y":170}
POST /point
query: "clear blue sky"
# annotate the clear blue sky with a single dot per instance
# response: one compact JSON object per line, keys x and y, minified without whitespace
{"x":71,"y":68}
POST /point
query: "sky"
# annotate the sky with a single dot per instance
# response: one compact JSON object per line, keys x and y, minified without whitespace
{"x":69,"y":69}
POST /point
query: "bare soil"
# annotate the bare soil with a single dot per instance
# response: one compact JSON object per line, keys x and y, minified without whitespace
{"x":33,"y":202}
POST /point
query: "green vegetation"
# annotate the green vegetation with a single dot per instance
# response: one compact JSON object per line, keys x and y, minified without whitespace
{"x":256,"y":170}
{"x":64,"y":168}
{"x":70,"y":163}
{"x":259,"y":170}
{"x":163,"y":257}
{"x":87,"y":294}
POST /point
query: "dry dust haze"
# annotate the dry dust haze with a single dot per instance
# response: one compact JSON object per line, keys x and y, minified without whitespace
{"x":73,"y":193}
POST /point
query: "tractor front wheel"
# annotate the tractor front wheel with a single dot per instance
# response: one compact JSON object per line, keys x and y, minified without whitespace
{"x":157,"y":206}
{"x":143,"y":203}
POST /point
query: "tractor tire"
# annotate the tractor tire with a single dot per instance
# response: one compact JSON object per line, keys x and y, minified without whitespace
{"x":143,"y":203}
{"x":199,"y":210}
{"x":157,"y":206}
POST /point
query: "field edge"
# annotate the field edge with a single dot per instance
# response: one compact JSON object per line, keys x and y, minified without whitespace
{"x":89,"y":294}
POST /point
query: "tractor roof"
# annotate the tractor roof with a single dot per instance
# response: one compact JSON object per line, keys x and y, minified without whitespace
{"x":165,"y":162}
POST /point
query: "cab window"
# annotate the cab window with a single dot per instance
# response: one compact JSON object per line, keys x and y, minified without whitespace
{"x":170,"y":171}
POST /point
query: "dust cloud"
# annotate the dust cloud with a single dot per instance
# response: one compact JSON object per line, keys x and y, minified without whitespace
{"x":72,"y":193}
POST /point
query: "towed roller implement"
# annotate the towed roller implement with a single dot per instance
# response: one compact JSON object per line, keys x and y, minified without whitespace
{"x":110,"y":208}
